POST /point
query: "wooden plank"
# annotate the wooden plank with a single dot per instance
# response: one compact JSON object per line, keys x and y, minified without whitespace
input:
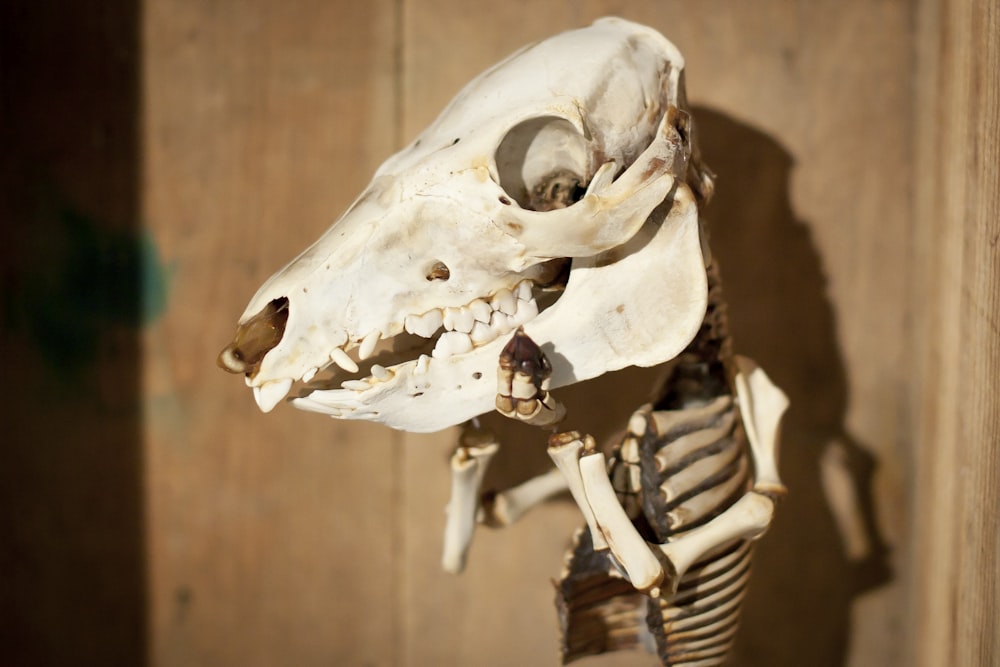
{"x":805,"y":115}
{"x":955,"y":594}
{"x":271,"y":538}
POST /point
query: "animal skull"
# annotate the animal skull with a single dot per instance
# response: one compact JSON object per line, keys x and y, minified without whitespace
{"x":571,"y":153}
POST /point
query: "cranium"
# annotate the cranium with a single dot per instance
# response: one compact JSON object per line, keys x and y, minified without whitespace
{"x":554,"y":193}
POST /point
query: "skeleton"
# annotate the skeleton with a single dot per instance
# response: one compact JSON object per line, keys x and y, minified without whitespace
{"x":544,"y":231}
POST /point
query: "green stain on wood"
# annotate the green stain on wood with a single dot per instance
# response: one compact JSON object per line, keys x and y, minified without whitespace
{"x":83,"y":278}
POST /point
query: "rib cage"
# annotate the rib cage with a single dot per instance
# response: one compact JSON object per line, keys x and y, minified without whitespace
{"x":683,"y":461}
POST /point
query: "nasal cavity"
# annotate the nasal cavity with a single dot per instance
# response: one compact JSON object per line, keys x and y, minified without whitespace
{"x":255,"y":338}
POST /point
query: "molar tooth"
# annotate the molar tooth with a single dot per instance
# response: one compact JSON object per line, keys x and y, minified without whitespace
{"x":452,"y":343}
{"x":340,"y":358}
{"x":481,"y":311}
{"x":482,"y":333}
{"x":310,"y":374}
{"x":424,"y":325}
{"x":463,"y":320}
{"x":524,"y":290}
{"x":368,"y":344}
{"x":500,"y":323}
{"x":422,"y":363}
{"x":504,"y":301}
{"x":526,"y":311}
{"x":270,"y":393}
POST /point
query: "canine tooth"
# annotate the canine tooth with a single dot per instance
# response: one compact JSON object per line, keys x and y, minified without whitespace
{"x":504,"y":301}
{"x":270,"y":393}
{"x":482,"y":333}
{"x":480,"y":310}
{"x":381,"y":373}
{"x":422,"y":363}
{"x":463,"y":320}
{"x":310,"y":374}
{"x":340,"y":358}
{"x":524,"y":290}
{"x":355,"y":385}
{"x":368,"y":344}
{"x":452,"y":343}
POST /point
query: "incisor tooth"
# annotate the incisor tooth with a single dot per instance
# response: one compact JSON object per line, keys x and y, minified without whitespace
{"x":310,"y":374}
{"x":381,"y":373}
{"x":368,"y":344}
{"x":340,"y":358}
{"x":355,"y":385}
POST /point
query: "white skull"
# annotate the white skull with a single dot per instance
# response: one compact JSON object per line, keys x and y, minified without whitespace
{"x":585,"y":129}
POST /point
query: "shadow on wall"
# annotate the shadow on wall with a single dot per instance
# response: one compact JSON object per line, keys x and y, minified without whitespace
{"x":797,"y":611}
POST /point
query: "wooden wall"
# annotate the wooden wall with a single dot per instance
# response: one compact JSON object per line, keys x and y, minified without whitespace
{"x":856,"y":221}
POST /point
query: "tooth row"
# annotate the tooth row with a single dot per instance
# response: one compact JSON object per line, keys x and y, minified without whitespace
{"x":501,"y":322}
{"x":472,"y":318}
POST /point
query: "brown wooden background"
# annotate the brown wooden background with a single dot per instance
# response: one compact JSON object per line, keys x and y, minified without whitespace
{"x":151,"y":514}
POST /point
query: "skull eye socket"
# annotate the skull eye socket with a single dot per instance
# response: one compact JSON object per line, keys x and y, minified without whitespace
{"x":542,"y":163}
{"x":438,"y":271}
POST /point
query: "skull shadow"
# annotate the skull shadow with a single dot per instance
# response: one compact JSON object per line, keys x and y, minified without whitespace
{"x":798,"y":606}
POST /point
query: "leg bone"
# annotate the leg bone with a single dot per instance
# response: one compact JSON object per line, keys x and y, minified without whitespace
{"x":504,"y":508}
{"x":468,"y":465}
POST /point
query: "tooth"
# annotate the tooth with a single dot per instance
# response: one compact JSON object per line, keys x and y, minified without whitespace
{"x":424,"y":325}
{"x":381,"y":373}
{"x":339,"y":399}
{"x":500,"y":323}
{"x":310,"y":374}
{"x":524,"y":290}
{"x":526,"y":311}
{"x":270,"y":393}
{"x":452,"y":343}
{"x":449,"y":318}
{"x":463,"y":320}
{"x":504,"y":301}
{"x":482,"y":333}
{"x":340,"y":358}
{"x":481,"y":311}
{"x":355,"y":385}
{"x":422,"y":363}
{"x":368,"y":344}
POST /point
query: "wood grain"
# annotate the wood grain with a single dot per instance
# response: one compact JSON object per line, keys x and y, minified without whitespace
{"x":856,"y":224}
{"x":953,"y":588}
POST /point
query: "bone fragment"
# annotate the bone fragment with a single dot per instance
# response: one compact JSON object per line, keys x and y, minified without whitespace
{"x":626,"y":544}
{"x":564,"y":450}
{"x":506,"y":507}
{"x":468,"y":465}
